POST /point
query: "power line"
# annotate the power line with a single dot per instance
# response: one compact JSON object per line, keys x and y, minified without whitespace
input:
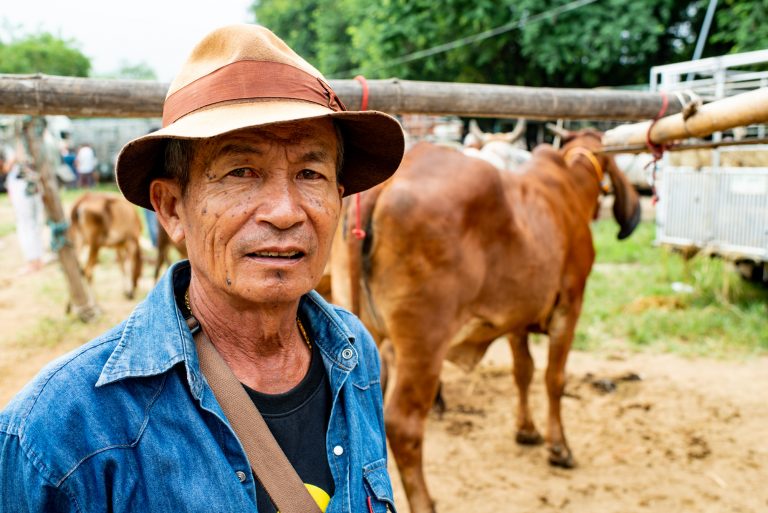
{"x":464,"y":41}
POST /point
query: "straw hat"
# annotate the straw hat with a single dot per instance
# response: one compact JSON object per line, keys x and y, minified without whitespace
{"x":243,"y":76}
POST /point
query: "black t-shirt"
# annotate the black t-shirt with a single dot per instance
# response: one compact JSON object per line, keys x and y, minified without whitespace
{"x":299,"y":421}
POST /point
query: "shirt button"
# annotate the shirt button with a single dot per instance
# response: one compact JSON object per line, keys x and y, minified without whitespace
{"x":347,"y":354}
{"x":338,"y":450}
{"x":241,"y":476}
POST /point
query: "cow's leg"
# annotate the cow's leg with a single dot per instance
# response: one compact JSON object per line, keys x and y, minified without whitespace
{"x":387,"y":356}
{"x":527,"y":433}
{"x":415,"y":385}
{"x":561,"y":331}
{"x":122,"y":255}
{"x":93,"y":257}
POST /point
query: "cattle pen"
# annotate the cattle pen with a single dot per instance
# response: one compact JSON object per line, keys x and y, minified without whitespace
{"x":673,"y":434}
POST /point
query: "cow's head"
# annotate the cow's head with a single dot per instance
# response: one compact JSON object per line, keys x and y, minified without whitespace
{"x":626,"y":204}
{"x":476,"y":138}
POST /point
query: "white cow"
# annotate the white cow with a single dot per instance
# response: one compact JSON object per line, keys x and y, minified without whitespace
{"x":506,"y":151}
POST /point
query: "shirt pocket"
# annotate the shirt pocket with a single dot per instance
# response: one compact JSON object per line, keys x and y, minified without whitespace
{"x":378,"y":488}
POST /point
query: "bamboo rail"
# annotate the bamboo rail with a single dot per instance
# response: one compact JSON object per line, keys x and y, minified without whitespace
{"x":86,"y":97}
{"x":740,"y":110}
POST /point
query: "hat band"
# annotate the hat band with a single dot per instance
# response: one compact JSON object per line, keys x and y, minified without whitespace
{"x":250,"y":79}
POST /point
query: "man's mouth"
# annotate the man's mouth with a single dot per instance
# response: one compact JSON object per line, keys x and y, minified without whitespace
{"x":276,"y":254}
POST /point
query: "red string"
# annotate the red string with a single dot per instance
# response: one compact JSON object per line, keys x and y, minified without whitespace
{"x":364,"y":85}
{"x":370,"y":506}
{"x":657,"y":150}
{"x":358,"y":231}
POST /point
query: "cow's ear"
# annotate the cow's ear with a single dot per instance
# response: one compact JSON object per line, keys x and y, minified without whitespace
{"x":165,"y":195}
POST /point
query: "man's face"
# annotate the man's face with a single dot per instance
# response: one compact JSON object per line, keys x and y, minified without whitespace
{"x":260,"y":210}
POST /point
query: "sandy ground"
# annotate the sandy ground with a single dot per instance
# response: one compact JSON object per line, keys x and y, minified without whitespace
{"x":691,"y":435}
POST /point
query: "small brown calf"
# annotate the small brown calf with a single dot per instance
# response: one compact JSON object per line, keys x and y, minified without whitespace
{"x":107,"y":220}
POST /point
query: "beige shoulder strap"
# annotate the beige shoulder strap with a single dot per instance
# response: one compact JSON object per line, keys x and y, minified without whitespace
{"x":267,"y":459}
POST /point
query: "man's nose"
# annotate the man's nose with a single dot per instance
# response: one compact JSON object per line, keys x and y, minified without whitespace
{"x":282,"y":206}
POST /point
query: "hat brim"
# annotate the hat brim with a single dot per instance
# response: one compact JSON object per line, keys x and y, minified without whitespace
{"x":373,"y":142}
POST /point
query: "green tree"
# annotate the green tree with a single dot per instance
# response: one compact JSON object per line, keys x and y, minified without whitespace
{"x":604,"y":43}
{"x":740,"y":26}
{"x":318,"y":30}
{"x":135,"y":71}
{"x":610,"y":42}
{"x":43,"y":53}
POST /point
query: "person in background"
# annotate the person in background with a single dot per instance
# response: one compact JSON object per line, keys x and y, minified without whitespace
{"x":23,"y":185}
{"x":68,"y":156}
{"x":85,"y":163}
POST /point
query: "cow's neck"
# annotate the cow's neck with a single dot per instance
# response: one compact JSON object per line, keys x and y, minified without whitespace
{"x":583,"y":178}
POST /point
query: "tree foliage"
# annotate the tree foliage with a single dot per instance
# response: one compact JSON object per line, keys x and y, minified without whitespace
{"x":741,"y":26}
{"x":133,"y":71}
{"x":609,"y":42}
{"x":43,"y":53}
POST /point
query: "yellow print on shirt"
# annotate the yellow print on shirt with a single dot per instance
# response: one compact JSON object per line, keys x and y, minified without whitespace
{"x":321,"y":498}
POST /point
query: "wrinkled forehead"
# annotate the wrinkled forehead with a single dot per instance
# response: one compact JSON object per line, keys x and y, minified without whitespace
{"x":317,"y":136}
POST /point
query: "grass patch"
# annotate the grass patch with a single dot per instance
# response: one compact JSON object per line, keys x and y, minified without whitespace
{"x":630,"y":300}
{"x":6,"y":228}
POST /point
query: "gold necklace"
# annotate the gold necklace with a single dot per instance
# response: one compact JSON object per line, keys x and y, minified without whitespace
{"x":298,"y":321}
{"x":186,"y":301}
{"x":304,"y":333}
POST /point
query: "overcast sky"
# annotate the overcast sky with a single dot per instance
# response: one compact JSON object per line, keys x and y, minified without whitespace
{"x":160,"y":33}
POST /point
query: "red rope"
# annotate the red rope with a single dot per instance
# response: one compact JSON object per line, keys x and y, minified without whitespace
{"x":364,"y":84}
{"x":657,"y":150}
{"x":358,"y":231}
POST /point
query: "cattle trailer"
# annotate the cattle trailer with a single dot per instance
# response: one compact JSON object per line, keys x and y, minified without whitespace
{"x":714,"y":207}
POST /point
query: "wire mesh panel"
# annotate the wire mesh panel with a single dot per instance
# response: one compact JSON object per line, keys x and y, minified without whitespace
{"x":723,"y":211}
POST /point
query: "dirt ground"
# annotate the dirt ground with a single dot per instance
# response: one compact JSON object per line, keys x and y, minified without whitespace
{"x":689,"y":435}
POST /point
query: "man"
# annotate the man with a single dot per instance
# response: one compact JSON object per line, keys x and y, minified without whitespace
{"x":85,"y":164}
{"x":249,"y":169}
{"x":22,"y":184}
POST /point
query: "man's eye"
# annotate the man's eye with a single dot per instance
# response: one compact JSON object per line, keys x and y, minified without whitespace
{"x":308,"y":174}
{"x":242,"y":172}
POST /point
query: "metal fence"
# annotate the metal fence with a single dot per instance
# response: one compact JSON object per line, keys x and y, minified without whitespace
{"x":722,"y":211}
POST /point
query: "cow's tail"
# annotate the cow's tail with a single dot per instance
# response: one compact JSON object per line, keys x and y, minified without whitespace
{"x":358,"y":233}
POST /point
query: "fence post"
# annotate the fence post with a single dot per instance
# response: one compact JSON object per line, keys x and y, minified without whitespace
{"x":81,"y":300}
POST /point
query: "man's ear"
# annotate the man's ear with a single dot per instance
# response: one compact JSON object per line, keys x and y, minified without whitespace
{"x":165,"y":195}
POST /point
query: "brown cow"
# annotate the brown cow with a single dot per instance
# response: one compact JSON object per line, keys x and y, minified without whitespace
{"x":459,"y":254}
{"x":107,"y":220}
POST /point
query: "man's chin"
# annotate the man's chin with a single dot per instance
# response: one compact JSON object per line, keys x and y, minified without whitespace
{"x":271,"y":291}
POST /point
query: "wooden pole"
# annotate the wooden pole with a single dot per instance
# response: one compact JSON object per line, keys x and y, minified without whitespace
{"x":740,"y":110}
{"x":41,"y":94}
{"x":642,"y":148}
{"x":80,"y":298}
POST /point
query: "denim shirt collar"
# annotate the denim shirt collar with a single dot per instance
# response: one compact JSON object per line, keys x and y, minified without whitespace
{"x":156,"y":337}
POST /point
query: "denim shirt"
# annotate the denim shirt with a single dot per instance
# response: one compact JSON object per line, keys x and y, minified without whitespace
{"x":127,"y":422}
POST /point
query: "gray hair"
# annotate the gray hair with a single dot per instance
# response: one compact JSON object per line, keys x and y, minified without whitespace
{"x":180,"y":152}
